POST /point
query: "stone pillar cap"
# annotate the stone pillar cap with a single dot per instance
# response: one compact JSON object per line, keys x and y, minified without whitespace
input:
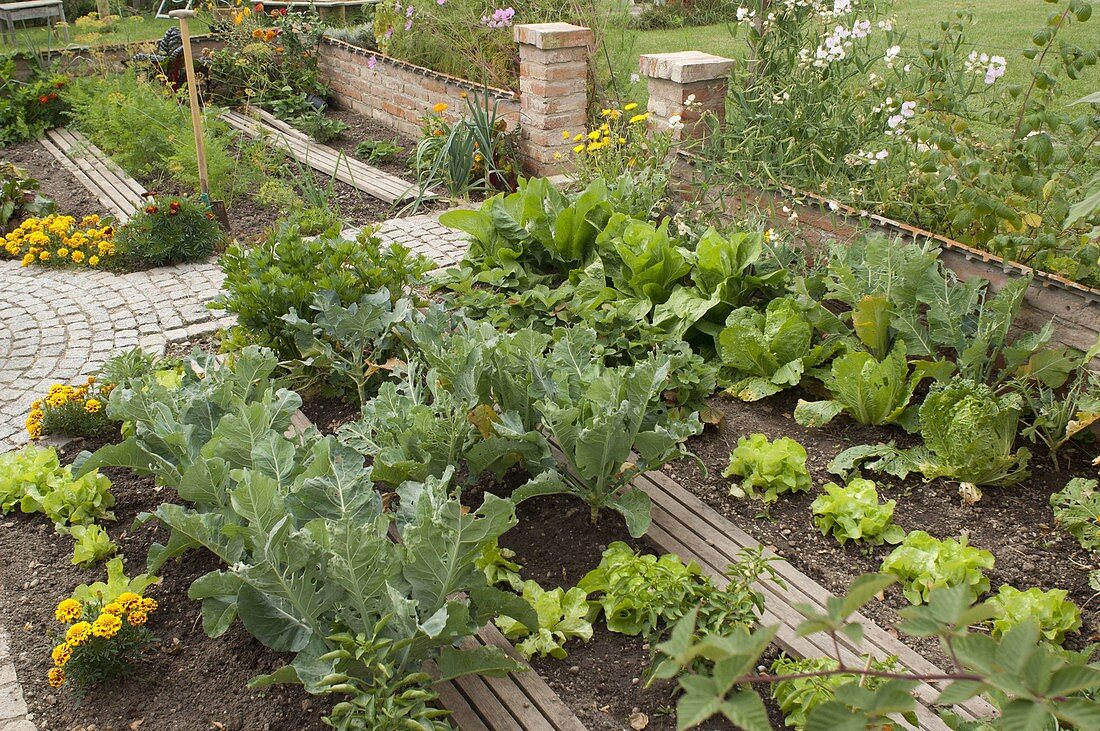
{"x":685,"y":67}
{"x":550,"y":36}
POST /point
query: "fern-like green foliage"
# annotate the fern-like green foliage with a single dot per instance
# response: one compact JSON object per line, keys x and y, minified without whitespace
{"x":768,"y":469}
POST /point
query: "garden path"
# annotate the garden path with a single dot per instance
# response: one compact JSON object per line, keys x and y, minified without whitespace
{"x":58,"y":324}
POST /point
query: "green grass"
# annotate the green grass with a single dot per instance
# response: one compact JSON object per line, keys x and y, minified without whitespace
{"x":1001,"y":27}
{"x":134,"y":29}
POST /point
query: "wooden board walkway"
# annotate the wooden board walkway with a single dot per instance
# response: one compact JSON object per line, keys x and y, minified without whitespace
{"x":116,"y":191}
{"x":514,"y":702}
{"x":298,"y":145}
{"x":685,"y":525}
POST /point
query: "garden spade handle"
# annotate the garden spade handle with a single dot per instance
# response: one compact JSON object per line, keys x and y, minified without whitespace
{"x":193,"y":94}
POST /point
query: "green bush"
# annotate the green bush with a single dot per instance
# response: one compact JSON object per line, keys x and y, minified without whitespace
{"x":285,"y":272}
{"x":169,"y":231}
{"x":29,"y":108}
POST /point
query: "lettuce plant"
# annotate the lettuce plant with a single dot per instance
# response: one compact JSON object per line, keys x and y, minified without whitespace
{"x":639,"y":592}
{"x":921,"y":563}
{"x":1077,"y":509}
{"x":640,"y":258}
{"x":853,"y":512}
{"x":799,"y":696}
{"x":768,"y":468}
{"x":29,"y":469}
{"x":562,"y":615}
{"x":34,"y":479}
{"x":763,"y":353}
{"x":90,"y":544}
{"x":1050,"y":610}
{"x":871,"y":391}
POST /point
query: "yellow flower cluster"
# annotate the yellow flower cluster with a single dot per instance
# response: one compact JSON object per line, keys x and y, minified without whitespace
{"x":61,"y":239}
{"x":106,"y":626}
{"x":612,"y":132}
{"x":86,"y":398}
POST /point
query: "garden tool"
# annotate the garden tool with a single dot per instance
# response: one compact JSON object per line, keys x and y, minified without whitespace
{"x":216,"y":207}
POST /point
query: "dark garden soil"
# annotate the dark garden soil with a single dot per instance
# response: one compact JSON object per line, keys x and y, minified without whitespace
{"x":1014,"y":523}
{"x":329,"y":413}
{"x":55,"y":182}
{"x":189,"y":683}
{"x":603,"y":681}
{"x":362,"y":129}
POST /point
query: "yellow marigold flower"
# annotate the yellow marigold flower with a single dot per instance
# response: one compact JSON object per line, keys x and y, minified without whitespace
{"x":137,"y":618}
{"x":44,"y":256}
{"x":61,"y":654}
{"x":28,"y":259}
{"x":56,"y":677}
{"x":91,"y":220}
{"x":129,"y":601}
{"x":639,"y":118}
{"x":106,"y":626}
{"x":68,"y":610}
{"x":594,"y":134}
{"x":93,"y":260}
{"x":77,"y":256}
{"x":91,"y":380}
{"x":578,"y":148}
{"x":36,"y":404}
{"x":440,"y":107}
{"x":78,"y":634}
{"x":149,"y":605}
{"x":114,"y":608}
{"x":630,"y":107}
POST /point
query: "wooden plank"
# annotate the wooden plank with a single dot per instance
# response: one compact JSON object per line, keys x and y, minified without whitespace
{"x":355,"y":173}
{"x":104,"y":199}
{"x":78,"y":151}
{"x":462,"y":714}
{"x":488,"y":706}
{"x":90,"y":172}
{"x":88,"y":148}
{"x":540,"y":694}
{"x":691,"y":515}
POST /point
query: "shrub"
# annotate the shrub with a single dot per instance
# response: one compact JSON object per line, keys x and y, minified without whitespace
{"x":169,"y":230}
{"x":60,"y":240}
{"x":773,"y":467}
{"x":29,"y":108}
{"x":284,"y":273}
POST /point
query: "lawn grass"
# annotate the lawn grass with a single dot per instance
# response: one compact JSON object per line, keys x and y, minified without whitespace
{"x":1001,"y":27}
{"x":134,"y":29}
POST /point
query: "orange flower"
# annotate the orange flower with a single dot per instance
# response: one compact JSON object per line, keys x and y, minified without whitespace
{"x":151,"y":209}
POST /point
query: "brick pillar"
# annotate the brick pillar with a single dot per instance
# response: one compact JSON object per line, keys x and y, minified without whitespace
{"x":553,"y":91}
{"x":688,"y":84}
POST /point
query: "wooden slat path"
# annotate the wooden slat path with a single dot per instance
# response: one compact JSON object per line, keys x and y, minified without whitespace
{"x":685,"y":525}
{"x":297,"y":144}
{"x":514,"y":702}
{"x":113,"y":188}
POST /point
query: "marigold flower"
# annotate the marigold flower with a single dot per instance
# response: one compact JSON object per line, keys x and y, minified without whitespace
{"x":137,"y":618}
{"x":62,"y":252}
{"x":93,"y":260}
{"x":150,"y":209}
{"x":257,"y":33}
{"x":56,"y":677}
{"x":129,"y":601}
{"x":43,"y":99}
{"x":440,"y":107}
{"x":114,"y":608}
{"x":106,"y":626}
{"x":61,"y":654}
{"x":28,"y":259}
{"x":92,"y":220}
{"x":149,"y":605}
{"x":44,"y":256}
{"x":79,"y":633}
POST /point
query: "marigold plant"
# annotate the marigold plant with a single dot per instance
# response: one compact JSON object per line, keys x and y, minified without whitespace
{"x":61,"y":240}
{"x":105,"y":630}
{"x":76,"y":411}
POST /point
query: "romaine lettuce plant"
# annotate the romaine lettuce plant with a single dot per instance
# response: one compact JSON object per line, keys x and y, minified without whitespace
{"x":872,"y":392}
{"x":922,"y":563}
{"x":768,"y":468}
{"x":1050,"y":610}
{"x":763,"y":353}
{"x":853,"y":512}
{"x":562,"y":615}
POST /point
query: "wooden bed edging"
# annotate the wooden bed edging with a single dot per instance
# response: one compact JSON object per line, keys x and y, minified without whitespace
{"x":115,"y":190}
{"x":685,"y":525}
{"x":514,"y":702}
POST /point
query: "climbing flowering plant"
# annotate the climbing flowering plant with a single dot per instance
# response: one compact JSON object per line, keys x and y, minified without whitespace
{"x":104,"y":630}
{"x":76,"y":411}
{"x":62,"y":240}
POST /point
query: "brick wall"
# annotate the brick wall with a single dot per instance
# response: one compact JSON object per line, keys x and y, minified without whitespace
{"x":397,"y":94}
